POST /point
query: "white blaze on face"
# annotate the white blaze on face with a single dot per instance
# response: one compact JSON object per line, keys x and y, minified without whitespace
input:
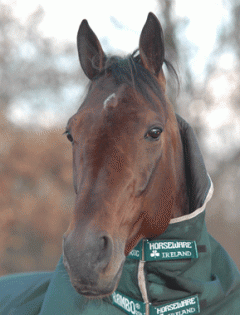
{"x":108,"y":99}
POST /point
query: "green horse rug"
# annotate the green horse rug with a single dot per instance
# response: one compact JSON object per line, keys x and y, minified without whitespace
{"x":182,"y":269}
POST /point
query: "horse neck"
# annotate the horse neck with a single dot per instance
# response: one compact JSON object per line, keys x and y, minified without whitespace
{"x":181,"y":200}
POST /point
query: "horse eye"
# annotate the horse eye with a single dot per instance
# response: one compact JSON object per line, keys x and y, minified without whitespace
{"x":154,"y":133}
{"x":69,"y":136}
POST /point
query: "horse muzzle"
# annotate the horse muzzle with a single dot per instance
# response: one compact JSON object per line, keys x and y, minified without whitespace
{"x":92,"y":263}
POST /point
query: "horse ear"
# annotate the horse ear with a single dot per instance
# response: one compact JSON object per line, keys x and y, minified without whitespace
{"x":151,"y":46}
{"x":90,"y":52}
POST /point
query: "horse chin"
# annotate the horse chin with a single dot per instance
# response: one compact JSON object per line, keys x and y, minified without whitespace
{"x":100,"y":290}
{"x":91,"y":294}
{"x":95,"y":293}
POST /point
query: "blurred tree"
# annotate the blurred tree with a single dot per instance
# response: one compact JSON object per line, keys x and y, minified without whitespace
{"x":196,"y":102}
{"x":36,"y":197}
{"x":34,"y":70}
{"x":224,"y":64}
{"x":178,"y":52}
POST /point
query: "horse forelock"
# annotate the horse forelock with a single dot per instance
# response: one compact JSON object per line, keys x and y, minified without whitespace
{"x":129,"y":70}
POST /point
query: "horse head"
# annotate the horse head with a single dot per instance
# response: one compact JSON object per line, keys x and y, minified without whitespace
{"x":128,"y":164}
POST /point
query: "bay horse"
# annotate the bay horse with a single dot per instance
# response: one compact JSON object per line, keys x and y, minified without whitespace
{"x":138,"y":229}
{"x":128,"y":163}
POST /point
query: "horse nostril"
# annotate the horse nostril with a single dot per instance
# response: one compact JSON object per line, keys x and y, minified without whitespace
{"x":103,"y":243}
{"x":105,"y":251}
{"x":86,"y":260}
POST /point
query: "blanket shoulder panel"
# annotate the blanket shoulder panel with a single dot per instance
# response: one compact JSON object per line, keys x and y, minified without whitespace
{"x":19,"y":292}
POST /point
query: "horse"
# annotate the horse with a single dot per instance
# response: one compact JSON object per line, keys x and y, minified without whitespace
{"x":137,"y":239}
{"x":128,"y":161}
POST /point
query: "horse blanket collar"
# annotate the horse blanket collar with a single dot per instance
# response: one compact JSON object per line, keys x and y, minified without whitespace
{"x":183,"y":271}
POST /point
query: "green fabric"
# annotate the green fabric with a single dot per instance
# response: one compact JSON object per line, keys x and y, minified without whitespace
{"x":23,"y":293}
{"x":213,"y":276}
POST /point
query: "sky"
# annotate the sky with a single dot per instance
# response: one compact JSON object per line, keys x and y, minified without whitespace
{"x":62,"y":20}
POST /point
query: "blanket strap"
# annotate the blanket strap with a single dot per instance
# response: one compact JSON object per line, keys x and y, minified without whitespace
{"x":189,"y":305}
{"x":159,"y":251}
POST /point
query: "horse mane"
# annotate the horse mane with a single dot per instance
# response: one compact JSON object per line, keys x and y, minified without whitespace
{"x":129,"y":70}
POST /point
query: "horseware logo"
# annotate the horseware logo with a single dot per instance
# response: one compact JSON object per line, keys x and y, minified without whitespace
{"x":154,"y":254}
{"x":185,"y":306}
{"x":189,"y":305}
{"x":164,"y":250}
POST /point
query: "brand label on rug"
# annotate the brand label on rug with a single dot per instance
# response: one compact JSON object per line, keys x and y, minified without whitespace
{"x":170,"y":250}
{"x":136,"y":253}
{"x":180,"y":307}
{"x":129,"y":305}
{"x":165,"y":250}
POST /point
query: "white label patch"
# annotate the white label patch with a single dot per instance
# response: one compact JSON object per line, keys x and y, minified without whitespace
{"x":105,"y":103}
